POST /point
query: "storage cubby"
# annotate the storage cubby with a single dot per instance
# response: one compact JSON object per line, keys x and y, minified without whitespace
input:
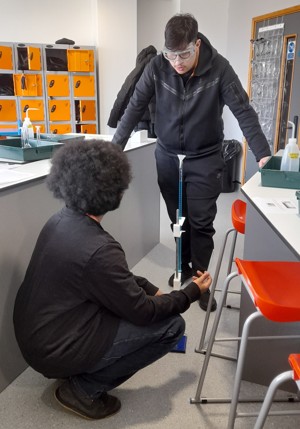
{"x":58,"y":80}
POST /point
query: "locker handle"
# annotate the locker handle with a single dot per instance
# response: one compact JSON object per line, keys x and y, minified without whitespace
{"x":0,"y":54}
{"x":31,"y":56}
{"x":53,"y":108}
{"x":51,"y":83}
{"x":77,"y":84}
{"x":0,"y":107}
{"x":25,"y":108}
{"x":83,"y":108}
{"x":23,"y":82}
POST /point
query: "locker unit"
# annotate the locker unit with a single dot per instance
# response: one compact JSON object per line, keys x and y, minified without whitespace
{"x":70,"y":76}
{"x":58,"y":80}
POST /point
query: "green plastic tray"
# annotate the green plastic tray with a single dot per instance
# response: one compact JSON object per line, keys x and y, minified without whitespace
{"x":272,"y":176}
{"x":11,"y":148}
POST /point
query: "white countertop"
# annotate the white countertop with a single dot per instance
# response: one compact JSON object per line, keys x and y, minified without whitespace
{"x":12,"y":174}
{"x":285,"y":221}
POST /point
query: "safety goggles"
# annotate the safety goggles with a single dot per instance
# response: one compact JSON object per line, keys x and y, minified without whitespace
{"x":184,"y":55}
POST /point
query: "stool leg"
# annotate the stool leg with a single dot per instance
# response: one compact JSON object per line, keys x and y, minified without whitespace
{"x":232,"y":249}
{"x":240,"y":366}
{"x":264,"y":411}
{"x":212,"y":291}
{"x":212,"y":338}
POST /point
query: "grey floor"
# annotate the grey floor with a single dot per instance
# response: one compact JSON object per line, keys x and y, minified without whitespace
{"x":158,"y":396}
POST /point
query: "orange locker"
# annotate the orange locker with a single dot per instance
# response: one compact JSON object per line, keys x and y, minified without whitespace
{"x":34,"y":58}
{"x":35,"y":115}
{"x":58,"y":85}
{"x":84,"y":86}
{"x":80,"y":60}
{"x":6,"y":58}
{"x":28,"y":58}
{"x":28,"y":85}
{"x":87,"y":110}
{"x":60,"y":128}
{"x":59,"y":110}
{"x":86,"y":129}
{"x":8,"y":110}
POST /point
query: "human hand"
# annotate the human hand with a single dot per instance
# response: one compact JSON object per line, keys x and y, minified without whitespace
{"x":263,"y":161}
{"x":203,"y":281}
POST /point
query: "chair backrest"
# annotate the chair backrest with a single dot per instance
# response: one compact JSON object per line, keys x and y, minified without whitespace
{"x":238,"y":215}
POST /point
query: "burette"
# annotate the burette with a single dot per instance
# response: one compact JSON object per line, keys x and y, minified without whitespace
{"x":177,"y":231}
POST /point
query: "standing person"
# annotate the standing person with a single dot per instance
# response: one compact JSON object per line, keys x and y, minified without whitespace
{"x":192,"y":82}
{"x":80,"y":314}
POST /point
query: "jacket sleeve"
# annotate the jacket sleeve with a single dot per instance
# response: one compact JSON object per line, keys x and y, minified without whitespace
{"x":236,"y":98}
{"x":111,"y":285}
{"x":136,"y":107}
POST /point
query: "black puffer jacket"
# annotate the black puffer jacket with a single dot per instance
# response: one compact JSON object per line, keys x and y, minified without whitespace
{"x":128,"y":87}
{"x":188,"y":116}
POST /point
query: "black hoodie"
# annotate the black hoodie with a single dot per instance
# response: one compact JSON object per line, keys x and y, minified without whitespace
{"x":188,"y":116}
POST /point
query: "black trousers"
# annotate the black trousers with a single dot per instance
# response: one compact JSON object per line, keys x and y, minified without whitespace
{"x":202,"y":182}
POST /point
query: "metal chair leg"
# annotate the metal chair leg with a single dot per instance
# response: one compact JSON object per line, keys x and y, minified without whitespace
{"x":240,"y":366}
{"x":197,"y":398}
{"x":264,"y":411}
{"x":212,"y":291}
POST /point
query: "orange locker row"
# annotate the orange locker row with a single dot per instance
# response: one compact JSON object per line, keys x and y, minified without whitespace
{"x":57,"y":128}
{"x":30,"y":58}
{"x":59,"y":110}
{"x":31,"y":85}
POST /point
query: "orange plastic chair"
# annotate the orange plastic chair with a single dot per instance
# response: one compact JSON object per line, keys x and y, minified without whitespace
{"x":238,"y":219}
{"x":294,"y":374}
{"x":262,"y":280}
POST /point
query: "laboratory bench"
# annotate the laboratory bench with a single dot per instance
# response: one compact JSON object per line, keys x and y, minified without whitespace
{"x":272,"y":234}
{"x":25,"y":206}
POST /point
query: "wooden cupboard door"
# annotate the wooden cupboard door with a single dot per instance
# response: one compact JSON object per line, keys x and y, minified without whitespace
{"x":83,"y":86}
{"x":8,"y":110}
{"x":6,"y":58}
{"x":57,"y":85}
{"x":59,"y":110}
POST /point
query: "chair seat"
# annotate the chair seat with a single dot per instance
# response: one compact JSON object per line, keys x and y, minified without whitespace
{"x":277,"y":299}
{"x":238,"y":215}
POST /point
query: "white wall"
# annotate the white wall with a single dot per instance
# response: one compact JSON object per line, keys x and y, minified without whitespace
{"x":117,"y":46}
{"x":46,"y":21}
{"x":121,"y":28}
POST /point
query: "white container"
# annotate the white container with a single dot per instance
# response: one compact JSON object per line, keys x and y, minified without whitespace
{"x":291,"y":154}
{"x":27,"y":124}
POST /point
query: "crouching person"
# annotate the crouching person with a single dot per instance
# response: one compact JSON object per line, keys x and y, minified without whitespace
{"x":80,"y":315}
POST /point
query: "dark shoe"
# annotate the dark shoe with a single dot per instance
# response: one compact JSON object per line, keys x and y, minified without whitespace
{"x":203,"y":301}
{"x":186,"y":274}
{"x":86,"y":407}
